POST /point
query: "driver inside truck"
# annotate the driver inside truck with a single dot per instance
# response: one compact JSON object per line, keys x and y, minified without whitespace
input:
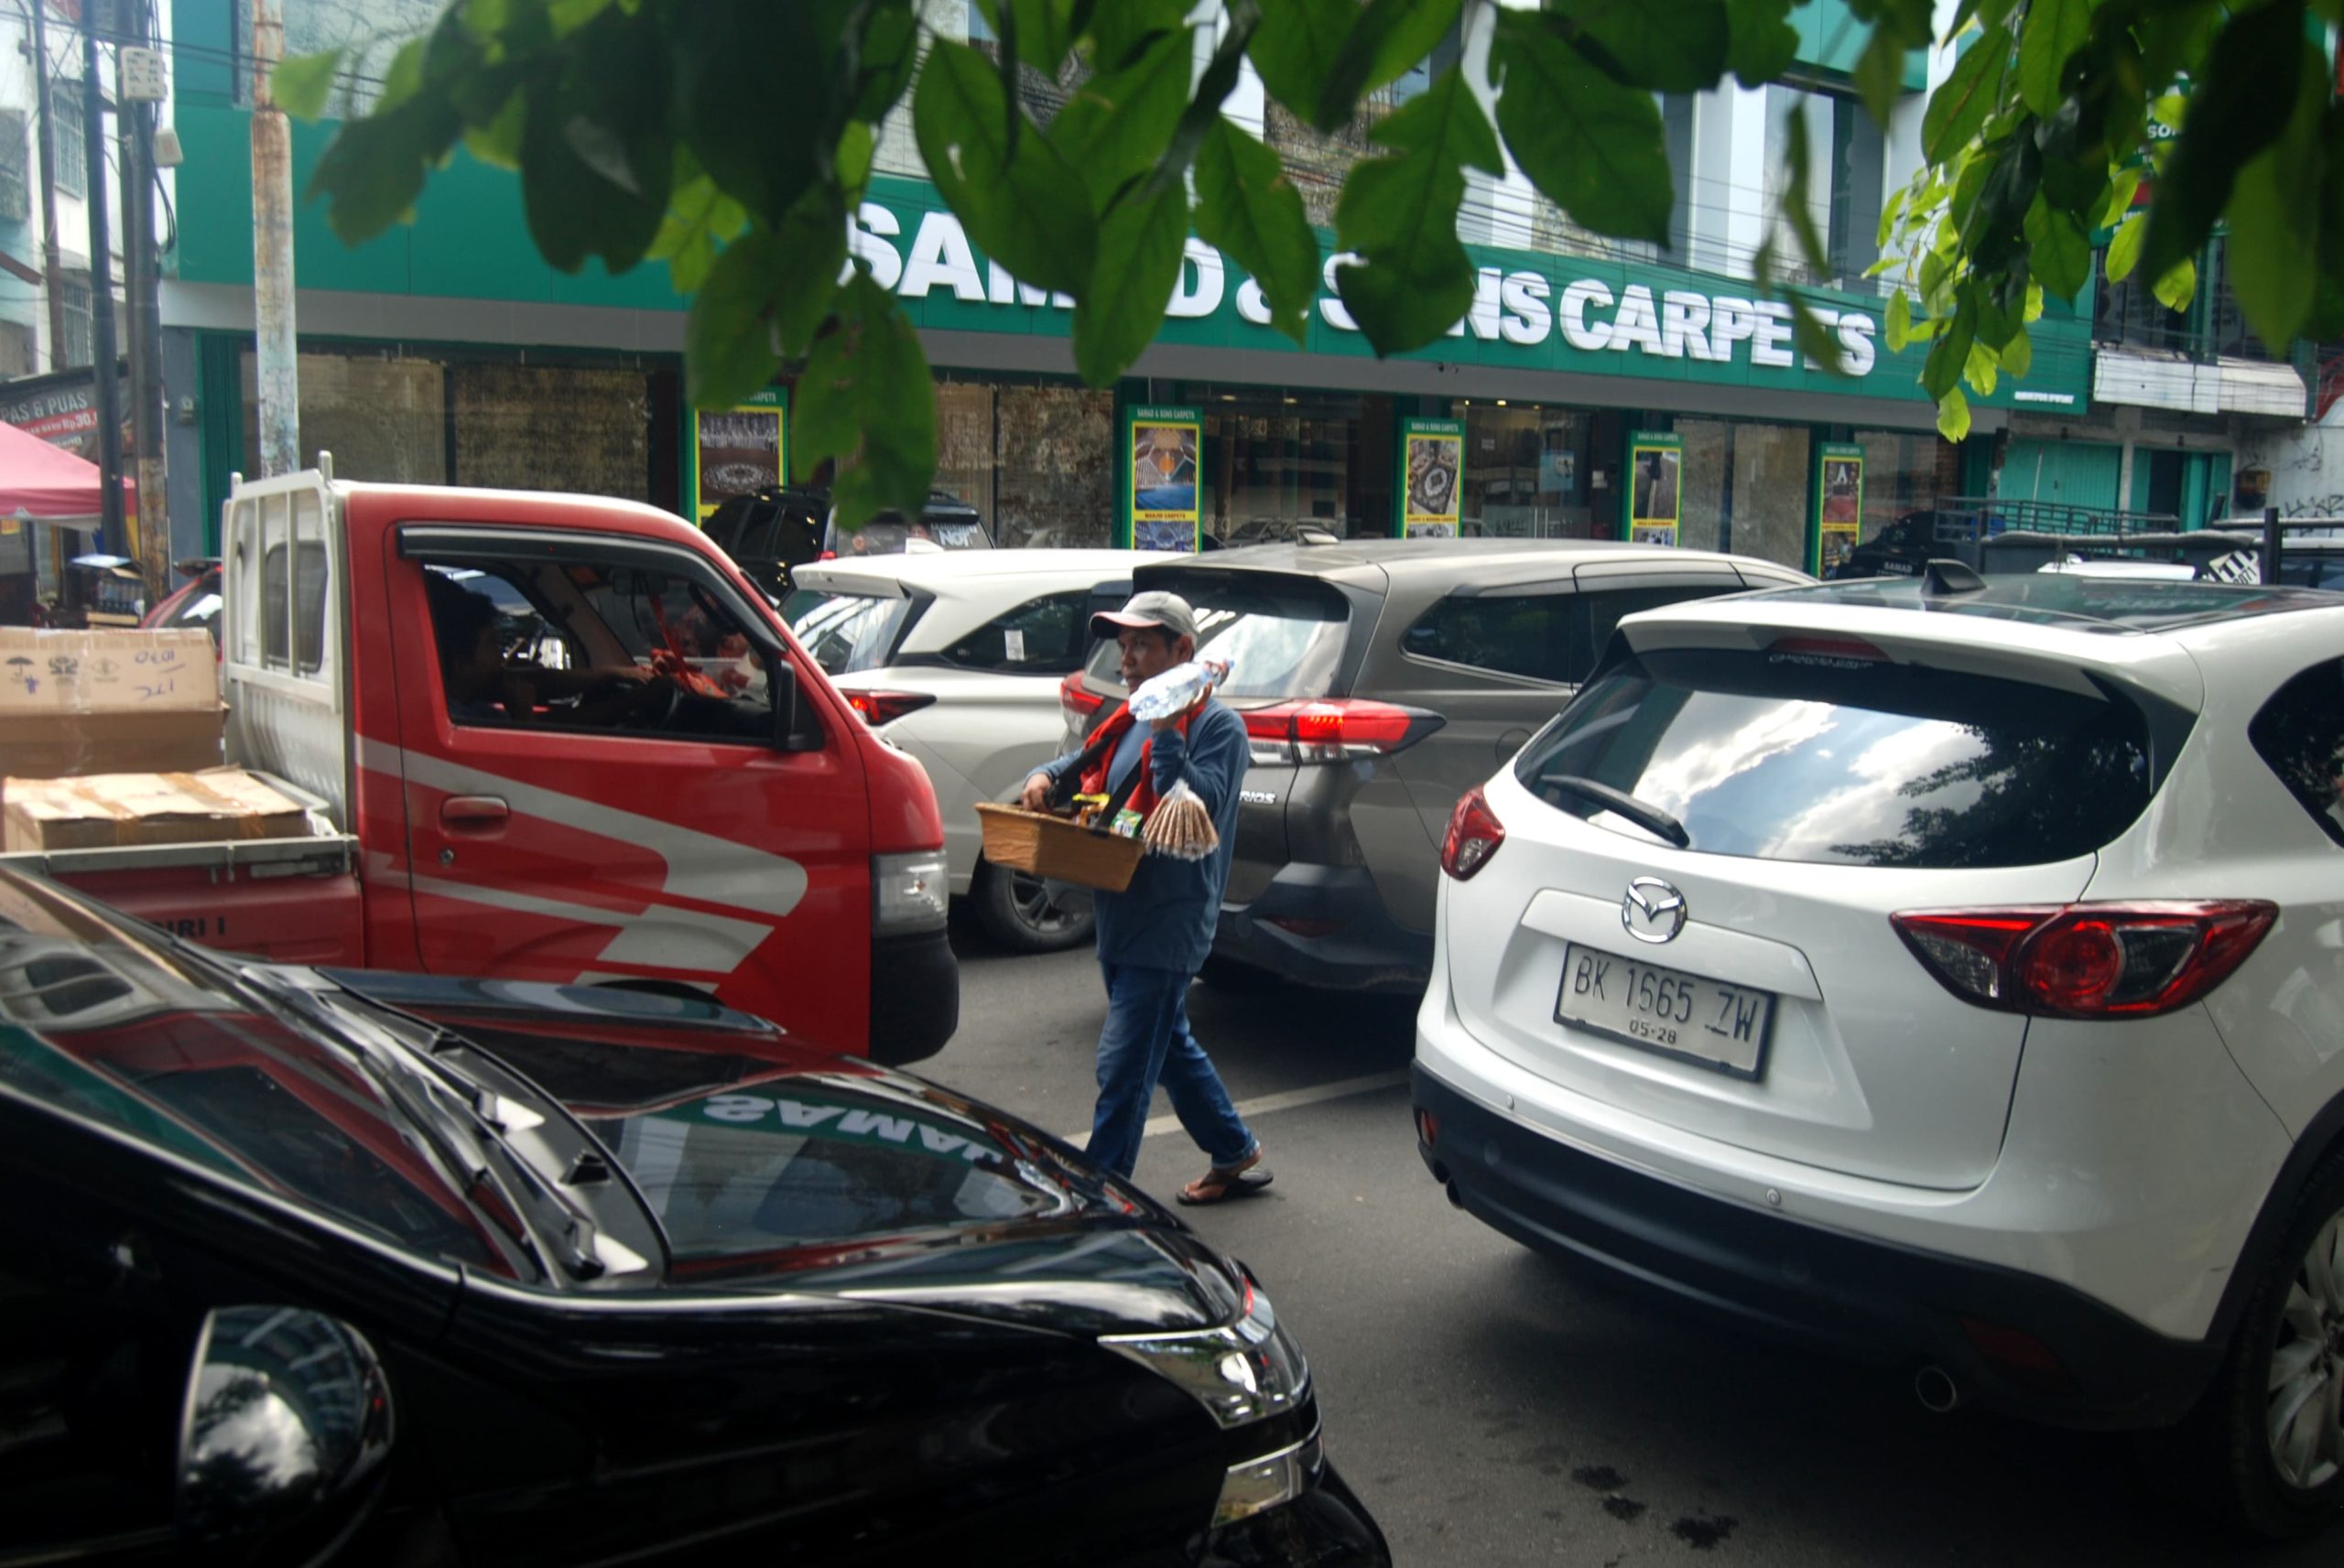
{"x":484,"y":688}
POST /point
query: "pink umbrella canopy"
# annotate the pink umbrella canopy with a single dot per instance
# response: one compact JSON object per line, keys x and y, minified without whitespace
{"x":42,"y":481}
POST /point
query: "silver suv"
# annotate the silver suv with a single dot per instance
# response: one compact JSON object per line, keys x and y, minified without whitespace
{"x":1380,"y":680}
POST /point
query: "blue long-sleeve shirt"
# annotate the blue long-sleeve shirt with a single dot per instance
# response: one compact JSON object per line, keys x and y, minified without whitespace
{"x":1164,"y":919}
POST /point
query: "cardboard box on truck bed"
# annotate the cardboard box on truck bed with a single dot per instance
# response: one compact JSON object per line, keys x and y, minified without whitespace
{"x":107,"y":701}
{"x":109,"y":810}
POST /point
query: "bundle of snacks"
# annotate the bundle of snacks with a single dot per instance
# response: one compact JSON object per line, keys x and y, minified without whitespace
{"x":1180,"y":825}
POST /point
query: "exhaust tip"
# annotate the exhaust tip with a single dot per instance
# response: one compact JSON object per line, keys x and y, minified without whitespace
{"x":1937,"y":1390}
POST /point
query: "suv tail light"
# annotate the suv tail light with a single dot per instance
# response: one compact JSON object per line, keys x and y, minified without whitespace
{"x":1335,"y":729}
{"x":879,"y":707}
{"x":1079,"y":702}
{"x":1474,"y":835}
{"x":2087,"y":960}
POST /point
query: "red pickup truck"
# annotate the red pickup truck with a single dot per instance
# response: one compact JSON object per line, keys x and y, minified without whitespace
{"x":550,"y":737}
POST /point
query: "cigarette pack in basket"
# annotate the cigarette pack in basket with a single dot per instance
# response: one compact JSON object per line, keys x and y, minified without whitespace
{"x":1055,"y":847}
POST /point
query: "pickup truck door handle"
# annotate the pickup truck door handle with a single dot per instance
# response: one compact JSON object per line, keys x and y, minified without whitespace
{"x":473,"y":811}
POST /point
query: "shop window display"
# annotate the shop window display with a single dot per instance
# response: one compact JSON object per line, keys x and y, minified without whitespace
{"x":1526,"y":473}
{"x":395,"y":419}
{"x":1036,"y":461}
{"x":1276,"y":464}
{"x":1746,"y":489}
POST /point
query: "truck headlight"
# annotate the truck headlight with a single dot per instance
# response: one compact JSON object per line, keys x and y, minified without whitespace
{"x":908,"y":892}
{"x":1242,"y":1372}
{"x":1260,"y":1484}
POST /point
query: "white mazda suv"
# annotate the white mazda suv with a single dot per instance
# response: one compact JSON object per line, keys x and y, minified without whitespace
{"x":1948,"y":970}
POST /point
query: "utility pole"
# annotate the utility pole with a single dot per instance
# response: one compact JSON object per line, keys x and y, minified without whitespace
{"x":52,"y":267}
{"x":135,"y":91}
{"x":276,"y":366}
{"x":103,"y":368}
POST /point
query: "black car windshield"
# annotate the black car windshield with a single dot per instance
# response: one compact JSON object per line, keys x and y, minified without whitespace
{"x":164,"y":1054}
{"x":1792,"y":757}
{"x":1283,"y":641}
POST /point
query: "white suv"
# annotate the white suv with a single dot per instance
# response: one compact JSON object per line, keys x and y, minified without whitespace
{"x":1946,"y":969}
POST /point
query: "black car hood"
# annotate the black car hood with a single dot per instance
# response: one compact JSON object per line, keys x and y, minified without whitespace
{"x":775,"y":1168}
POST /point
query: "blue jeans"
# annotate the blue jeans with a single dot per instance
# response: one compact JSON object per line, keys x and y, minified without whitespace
{"x":1146,"y":1040}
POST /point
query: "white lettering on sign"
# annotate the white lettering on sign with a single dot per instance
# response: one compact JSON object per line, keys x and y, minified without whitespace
{"x":1520,"y":307}
{"x":1572,"y":314}
{"x":866,"y":242}
{"x":1528,"y":322}
{"x":941,"y":254}
{"x":1199,"y":291}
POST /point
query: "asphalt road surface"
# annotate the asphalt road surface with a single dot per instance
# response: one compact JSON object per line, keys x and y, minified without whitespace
{"x":1494,"y":1406}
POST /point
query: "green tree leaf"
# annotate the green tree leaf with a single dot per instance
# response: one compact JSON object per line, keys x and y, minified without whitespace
{"x":1687,"y":55}
{"x":1044,"y":29}
{"x":596,"y":157}
{"x":729,"y":348}
{"x":1982,"y":370}
{"x":1121,"y":29}
{"x":1593,"y":145}
{"x":700,"y":218}
{"x":1896,"y":322}
{"x":1248,"y":209}
{"x":2234,"y":113}
{"x":2177,"y":288}
{"x":887,"y":58}
{"x":1879,"y":74}
{"x":1761,"y":43}
{"x":301,"y":83}
{"x":1953,"y":415}
{"x":1296,"y":46}
{"x":2326,"y":320}
{"x":730,"y":53}
{"x":1949,"y":355}
{"x":1965,"y":98}
{"x":2057,"y":250}
{"x":2124,"y":247}
{"x":2053,"y":31}
{"x":803,"y":279}
{"x":1390,"y":37}
{"x":1399,"y":215}
{"x":1011,"y":195}
{"x":373,"y":171}
{"x":865,"y":403}
{"x":2275,"y":218}
{"x":2018,"y":355}
{"x":1117,"y":125}
{"x":1139,"y":262}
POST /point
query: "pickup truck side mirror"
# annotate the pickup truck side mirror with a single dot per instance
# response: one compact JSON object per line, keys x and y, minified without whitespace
{"x":791,"y":732}
{"x":286,"y":1423}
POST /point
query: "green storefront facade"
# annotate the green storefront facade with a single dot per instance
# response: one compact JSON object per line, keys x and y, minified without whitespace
{"x":1581,"y":396}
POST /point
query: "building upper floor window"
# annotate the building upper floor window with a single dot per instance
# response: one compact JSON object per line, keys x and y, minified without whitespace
{"x":1847,"y":179}
{"x":78,"y":346}
{"x":71,"y":150}
{"x":15,"y":187}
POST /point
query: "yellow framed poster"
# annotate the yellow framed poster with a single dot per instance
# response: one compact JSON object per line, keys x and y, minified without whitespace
{"x":1166,"y":448}
{"x":739,"y":450}
{"x":1656,"y":486}
{"x":1839,"y":504}
{"x":1432,"y":458}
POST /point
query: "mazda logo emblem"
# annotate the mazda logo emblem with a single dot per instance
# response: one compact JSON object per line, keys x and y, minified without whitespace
{"x":1652,"y":911}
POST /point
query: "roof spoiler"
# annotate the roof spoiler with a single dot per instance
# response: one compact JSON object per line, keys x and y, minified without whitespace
{"x":1943,"y":580}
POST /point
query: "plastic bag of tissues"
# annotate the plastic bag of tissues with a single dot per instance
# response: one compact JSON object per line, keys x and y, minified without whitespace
{"x":1178,"y":690}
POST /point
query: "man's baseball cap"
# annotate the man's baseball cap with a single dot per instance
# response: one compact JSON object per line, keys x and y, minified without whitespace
{"x":1154,"y":607}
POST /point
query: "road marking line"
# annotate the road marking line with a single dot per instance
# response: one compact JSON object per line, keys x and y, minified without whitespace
{"x":1289,"y":1099}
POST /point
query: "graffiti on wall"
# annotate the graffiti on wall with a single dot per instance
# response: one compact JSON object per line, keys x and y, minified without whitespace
{"x":2328,"y":505}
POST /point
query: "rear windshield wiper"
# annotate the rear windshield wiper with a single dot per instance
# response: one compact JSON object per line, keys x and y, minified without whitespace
{"x":1620,"y":803}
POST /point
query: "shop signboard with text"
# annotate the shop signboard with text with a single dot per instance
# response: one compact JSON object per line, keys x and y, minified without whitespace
{"x":1656,"y":489}
{"x":1531,"y":310}
{"x":1163,"y":448}
{"x":739,"y":450}
{"x":1839,"y":504}
{"x":1432,"y":464}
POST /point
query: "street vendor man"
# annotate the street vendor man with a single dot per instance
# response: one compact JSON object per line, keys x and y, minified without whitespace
{"x":1153,"y":935}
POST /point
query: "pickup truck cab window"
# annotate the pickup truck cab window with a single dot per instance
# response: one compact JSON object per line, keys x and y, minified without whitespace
{"x":590,"y":645}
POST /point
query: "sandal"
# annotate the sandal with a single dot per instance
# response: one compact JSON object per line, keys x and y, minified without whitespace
{"x":1221,"y":1182}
